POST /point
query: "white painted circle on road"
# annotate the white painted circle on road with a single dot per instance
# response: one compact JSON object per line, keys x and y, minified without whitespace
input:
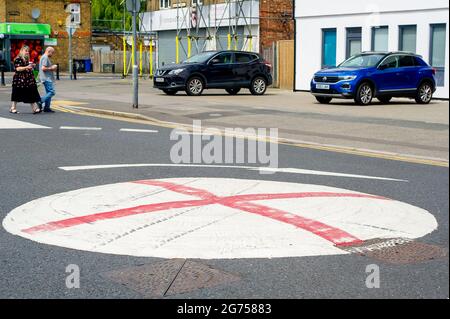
{"x":215,"y":218}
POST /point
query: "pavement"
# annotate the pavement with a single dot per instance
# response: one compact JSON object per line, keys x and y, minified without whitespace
{"x":36,"y":149}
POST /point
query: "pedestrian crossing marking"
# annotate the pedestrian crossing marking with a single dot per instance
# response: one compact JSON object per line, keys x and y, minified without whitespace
{"x":6,"y":123}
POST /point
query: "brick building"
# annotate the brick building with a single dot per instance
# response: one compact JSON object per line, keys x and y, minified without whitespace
{"x":275,"y":21}
{"x":46,"y":27}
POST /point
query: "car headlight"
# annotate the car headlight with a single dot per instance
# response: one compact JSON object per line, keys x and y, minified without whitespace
{"x":176,"y":71}
{"x":347,"y":77}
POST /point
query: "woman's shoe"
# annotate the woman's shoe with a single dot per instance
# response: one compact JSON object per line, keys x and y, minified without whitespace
{"x":13,"y":111}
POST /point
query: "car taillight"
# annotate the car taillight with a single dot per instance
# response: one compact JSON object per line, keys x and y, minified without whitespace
{"x":268,"y":64}
{"x":434,"y":71}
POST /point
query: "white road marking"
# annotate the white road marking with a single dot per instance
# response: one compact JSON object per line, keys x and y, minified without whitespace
{"x":6,"y":123}
{"x":138,"y":130}
{"x":80,"y":128}
{"x":266,"y":169}
{"x":242,"y":219}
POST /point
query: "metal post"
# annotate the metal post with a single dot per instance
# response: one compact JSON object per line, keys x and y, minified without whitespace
{"x":135,"y":67}
{"x":70,"y":53}
{"x":57,"y":72}
{"x":3,"y":83}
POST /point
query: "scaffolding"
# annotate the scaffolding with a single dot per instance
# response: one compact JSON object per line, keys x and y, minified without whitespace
{"x":200,"y":27}
{"x":195,"y":16}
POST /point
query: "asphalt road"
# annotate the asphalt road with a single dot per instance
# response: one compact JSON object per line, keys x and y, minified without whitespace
{"x":30,"y":161}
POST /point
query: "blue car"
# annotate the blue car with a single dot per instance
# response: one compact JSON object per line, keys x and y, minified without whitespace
{"x":381,"y":75}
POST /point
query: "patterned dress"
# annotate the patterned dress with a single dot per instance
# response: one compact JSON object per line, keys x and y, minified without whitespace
{"x":24,"y":88}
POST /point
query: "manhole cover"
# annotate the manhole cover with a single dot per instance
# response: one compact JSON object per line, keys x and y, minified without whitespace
{"x":170,"y":277}
{"x":398,"y":250}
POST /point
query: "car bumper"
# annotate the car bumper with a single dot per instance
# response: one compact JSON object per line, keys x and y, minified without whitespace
{"x":339,"y":90}
{"x":169,"y":82}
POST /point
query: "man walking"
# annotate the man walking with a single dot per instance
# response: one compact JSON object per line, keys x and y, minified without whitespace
{"x":47,"y":77}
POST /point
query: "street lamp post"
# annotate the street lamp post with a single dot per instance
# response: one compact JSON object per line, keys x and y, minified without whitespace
{"x":134,"y":6}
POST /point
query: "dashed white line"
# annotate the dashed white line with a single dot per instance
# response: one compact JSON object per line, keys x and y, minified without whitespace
{"x":80,"y":128}
{"x":137,"y":130}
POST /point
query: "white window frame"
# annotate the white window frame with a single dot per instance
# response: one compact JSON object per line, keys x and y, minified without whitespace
{"x":165,"y":4}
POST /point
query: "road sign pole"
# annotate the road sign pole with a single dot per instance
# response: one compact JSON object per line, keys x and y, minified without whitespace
{"x":135,"y":67}
{"x":70,"y":53}
{"x":134,"y":7}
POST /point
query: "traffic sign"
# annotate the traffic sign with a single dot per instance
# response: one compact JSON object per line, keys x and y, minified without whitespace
{"x":133,"y":5}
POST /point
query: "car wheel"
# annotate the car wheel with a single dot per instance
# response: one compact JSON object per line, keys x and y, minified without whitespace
{"x":323,"y":99}
{"x":170,"y":92}
{"x":194,"y":86}
{"x":384,"y":99}
{"x":233,"y":91}
{"x":258,"y":86}
{"x":364,"y":94}
{"x":424,"y":93}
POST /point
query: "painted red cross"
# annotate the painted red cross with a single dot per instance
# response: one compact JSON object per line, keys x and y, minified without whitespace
{"x":245,"y":203}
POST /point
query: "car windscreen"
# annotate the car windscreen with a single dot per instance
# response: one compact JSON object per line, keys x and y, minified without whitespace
{"x":362,"y":61}
{"x":200,"y":58}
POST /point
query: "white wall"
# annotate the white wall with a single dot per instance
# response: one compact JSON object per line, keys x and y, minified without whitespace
{"x":213,"y":16}
{"x":354,"y":13}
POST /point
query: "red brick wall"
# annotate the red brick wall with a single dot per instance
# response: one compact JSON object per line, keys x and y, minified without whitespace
{"x":276,"y":21}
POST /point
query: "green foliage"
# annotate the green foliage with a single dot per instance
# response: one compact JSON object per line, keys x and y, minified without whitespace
{"x":109,"y":14}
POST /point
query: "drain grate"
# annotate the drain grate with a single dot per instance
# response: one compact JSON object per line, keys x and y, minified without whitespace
{"x":398,"y":251}
{"x":170,"y":277}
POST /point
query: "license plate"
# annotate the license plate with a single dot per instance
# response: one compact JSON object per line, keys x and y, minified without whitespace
{"x":159,"y":80}
{"x":322,"y":86}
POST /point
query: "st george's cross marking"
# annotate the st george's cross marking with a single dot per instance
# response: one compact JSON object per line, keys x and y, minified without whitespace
{"x":210,"y":211}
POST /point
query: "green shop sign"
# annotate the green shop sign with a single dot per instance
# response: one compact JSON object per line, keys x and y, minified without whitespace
{"x":25,"y":28}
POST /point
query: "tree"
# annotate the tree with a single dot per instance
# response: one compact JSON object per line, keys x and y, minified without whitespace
{"x":104,"y":10}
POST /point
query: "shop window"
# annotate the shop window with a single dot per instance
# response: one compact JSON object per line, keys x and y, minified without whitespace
{"x":380,"y":39}
{"x":408,"y":38}
{"x":354,"y":41}
{"x":438,"y":40}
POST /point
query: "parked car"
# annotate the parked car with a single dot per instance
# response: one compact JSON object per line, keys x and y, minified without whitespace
{"x":229,"y":70}
{"x":381,"y":75}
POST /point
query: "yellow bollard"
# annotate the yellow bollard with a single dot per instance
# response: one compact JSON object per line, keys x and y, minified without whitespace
{"x":235,"y":42}
{"x":125,"y":56}
{"x":251,"y":44}
{"x":189,"y":46}
{"x":151,"y":58}
{"x":229,"y":41}
{"x":141,"y":62}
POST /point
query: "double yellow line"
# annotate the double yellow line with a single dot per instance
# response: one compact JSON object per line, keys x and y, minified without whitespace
{"x":75,"y":108}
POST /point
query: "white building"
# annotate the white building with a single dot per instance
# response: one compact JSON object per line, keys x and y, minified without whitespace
{"x":330,"y":31}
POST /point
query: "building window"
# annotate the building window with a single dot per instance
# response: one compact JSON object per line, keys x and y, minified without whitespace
{"x":165,"y":4}
{"x":438,"y":40}
{"x":380,"y":39}
{"x":407,"y":38}
{"x":354,"y":41}
{"x":328,"y":48}
{"x":197,"y":2}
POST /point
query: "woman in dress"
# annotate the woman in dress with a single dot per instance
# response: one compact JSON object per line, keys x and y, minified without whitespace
{"x":24,"y":87}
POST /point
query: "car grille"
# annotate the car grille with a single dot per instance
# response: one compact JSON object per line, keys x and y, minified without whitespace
{"x":332,"y":91}
{"x":326,"y":79}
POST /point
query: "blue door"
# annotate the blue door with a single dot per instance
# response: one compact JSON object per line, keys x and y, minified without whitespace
{"x":388,"y":75}
{"x":329,"y":48}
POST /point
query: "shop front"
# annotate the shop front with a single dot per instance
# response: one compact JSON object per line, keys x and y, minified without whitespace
{"x":15,"y":35}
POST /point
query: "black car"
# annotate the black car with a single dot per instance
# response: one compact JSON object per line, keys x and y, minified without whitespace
{"x":229,"y":70}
